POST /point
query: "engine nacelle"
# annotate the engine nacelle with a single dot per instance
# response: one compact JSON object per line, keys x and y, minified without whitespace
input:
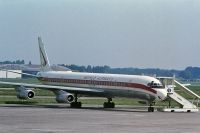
{"x":64,"y":97}
{"x":24,"y":93}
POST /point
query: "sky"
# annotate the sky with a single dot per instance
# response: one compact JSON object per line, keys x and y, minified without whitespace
{"x":120,"y":33}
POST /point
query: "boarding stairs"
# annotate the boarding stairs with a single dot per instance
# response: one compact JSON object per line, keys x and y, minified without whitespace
{"x":189,"y":92}
{"x":185,"y":105}
{"x":181,"y":100}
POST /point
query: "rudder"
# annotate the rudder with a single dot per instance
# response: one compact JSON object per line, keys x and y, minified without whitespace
{"x":45,"y":65}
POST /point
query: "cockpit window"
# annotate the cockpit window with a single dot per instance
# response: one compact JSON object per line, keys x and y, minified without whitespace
{"x":155,"y":85}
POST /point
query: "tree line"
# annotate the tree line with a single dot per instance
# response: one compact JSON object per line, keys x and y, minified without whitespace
{"x":13,"y":62}
{"x":190,"y":73}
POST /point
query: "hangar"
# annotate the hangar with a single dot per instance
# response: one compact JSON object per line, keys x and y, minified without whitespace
{"x":6,"y":74}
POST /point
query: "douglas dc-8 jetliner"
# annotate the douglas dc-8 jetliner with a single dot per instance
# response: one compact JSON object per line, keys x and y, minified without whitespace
{"x":67,"y":85}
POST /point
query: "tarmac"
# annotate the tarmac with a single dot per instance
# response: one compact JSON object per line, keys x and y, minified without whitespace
{"x":93,"y":119}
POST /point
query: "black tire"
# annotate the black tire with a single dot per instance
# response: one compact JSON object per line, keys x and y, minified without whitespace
{"x":105,"y":105}
{"x":150,"y":109}
{"x":109,"y":105}
{"x":79,"y":104}
{"x":76,"y":105}
{"x":112,"y":105}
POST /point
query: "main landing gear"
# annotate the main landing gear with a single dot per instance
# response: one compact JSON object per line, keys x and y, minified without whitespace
{"x":109,"y":104}
{"x":150,"y":109}
{"x":75,"y":104}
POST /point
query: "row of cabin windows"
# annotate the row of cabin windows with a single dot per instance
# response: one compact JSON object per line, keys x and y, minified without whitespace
{"x":107,"y":83}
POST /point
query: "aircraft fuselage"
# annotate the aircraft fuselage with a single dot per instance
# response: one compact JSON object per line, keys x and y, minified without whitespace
{"x":114,"y":85}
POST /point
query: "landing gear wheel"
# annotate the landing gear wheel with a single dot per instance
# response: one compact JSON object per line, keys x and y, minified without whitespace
{"x":76,"y":105}
{"x":109,"y":104}
{"x":150,"y":109}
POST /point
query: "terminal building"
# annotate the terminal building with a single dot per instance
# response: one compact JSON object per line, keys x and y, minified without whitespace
{"x":10,"y":67}
{"x":7,"y":74}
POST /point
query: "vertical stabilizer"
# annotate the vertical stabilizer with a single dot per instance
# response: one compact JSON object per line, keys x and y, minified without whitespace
{"x":45,"y":66}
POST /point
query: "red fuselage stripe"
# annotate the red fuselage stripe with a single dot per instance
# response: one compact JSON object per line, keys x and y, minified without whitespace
{"x":103,"y":83}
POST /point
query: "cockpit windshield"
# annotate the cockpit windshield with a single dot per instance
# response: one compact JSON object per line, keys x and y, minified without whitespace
{"x":155,"y":85}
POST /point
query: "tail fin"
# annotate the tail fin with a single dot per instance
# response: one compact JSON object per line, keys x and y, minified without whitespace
{"x":45,"y":66}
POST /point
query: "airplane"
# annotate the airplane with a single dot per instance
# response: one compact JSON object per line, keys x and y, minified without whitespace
{"x":68,"y":85}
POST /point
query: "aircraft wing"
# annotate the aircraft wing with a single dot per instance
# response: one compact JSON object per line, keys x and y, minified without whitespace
{"x":54,"y":88}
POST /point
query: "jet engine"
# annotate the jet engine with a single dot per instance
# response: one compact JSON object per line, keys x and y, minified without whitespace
{"x":24,"y":93}
{"x":64,"y":97}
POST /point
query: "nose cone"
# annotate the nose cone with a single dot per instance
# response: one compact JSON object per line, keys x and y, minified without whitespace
{"x":161,"y":94}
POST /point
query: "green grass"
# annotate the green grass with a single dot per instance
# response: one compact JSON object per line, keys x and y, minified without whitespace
{"x":15,"y":100}
{"x":194,"y":88}
{"x":51,"y":100}
{"x":118,"y":101}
